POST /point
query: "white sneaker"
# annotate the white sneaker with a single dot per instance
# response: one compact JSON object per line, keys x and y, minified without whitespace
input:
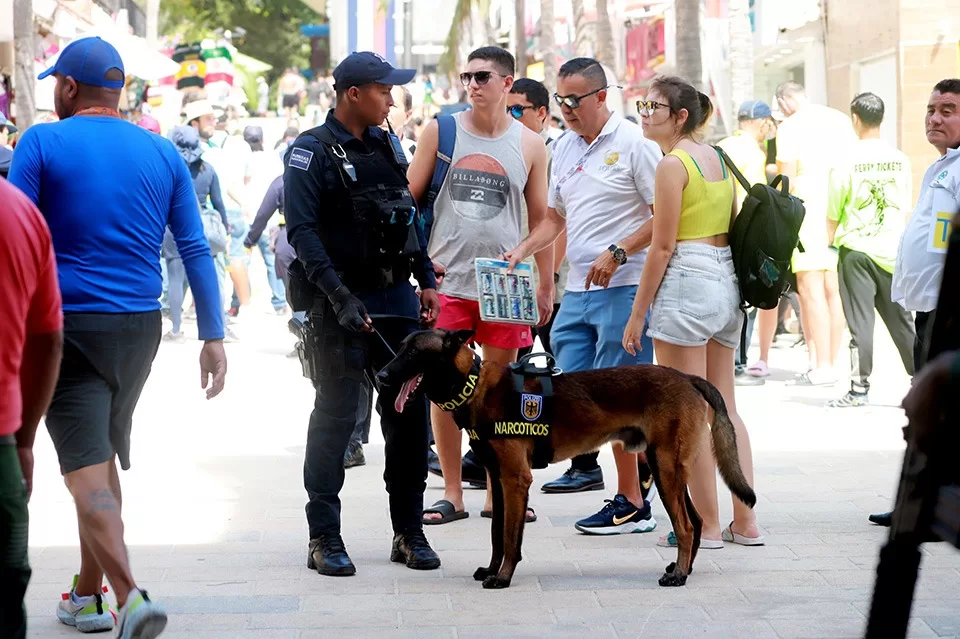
{"x":140,"y":618}
{"x":86,"y":614}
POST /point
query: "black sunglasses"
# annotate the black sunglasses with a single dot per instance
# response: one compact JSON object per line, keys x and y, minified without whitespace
{"x":482,"y":77}
{"x":573,"y":101}
{"x":517,"y":110}
{"x":646,"y":108}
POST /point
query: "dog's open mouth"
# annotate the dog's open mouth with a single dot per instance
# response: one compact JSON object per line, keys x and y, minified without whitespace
{"x":406,"y":391}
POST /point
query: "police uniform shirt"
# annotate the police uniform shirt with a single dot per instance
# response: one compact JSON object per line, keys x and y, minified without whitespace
{"x":311,"y":185}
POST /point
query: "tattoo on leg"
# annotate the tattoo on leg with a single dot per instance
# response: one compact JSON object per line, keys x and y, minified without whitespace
{"x":101,"y":500}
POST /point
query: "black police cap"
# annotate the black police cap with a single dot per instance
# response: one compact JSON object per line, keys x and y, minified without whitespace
{"x":366,"y":67}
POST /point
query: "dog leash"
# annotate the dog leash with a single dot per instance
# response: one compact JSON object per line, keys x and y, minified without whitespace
{"x":382,"y":339}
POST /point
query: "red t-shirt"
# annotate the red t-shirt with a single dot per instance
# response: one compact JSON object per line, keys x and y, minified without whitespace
{"x":29,"y":294}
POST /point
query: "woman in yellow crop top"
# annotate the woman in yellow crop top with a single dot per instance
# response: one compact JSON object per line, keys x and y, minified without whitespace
{"x":690,"y":288}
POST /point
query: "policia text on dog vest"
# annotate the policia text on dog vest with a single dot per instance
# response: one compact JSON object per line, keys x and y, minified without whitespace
{"x":524,"y":414}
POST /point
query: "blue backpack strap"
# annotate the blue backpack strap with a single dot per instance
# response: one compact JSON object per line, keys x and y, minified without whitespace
{"x":446,"y":142}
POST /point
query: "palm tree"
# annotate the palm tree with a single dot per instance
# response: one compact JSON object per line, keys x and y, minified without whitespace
{"x":741,"y":52}
{"x":689,"y":61}
{"x":520,"y":24}
{"x":581,"y":46}
{"x":449,"y":62}
{"x":603,"y":45}
{"x":548,"y":45}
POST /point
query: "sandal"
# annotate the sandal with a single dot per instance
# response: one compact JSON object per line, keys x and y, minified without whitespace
{"x":670,"y":541}
{"x":447,"y":511}
{"x":758,"y":369}
{"x":531,"y":515}
{"x":729,"y":535}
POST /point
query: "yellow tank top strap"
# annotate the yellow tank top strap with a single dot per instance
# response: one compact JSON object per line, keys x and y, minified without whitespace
{"x":693,"y":169}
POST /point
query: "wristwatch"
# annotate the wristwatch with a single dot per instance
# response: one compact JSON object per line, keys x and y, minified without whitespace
{"x":619,"y":254}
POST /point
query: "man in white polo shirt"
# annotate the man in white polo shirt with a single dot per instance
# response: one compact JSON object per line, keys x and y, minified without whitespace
{"x":923,"y":246}
{"x":601,"y":184}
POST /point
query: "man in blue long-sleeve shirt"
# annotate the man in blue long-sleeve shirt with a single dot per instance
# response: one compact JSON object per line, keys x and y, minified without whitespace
{"x":107,"y":189}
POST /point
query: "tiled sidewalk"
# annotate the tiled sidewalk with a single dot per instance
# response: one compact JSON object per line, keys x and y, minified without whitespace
{"x":215,"y":526}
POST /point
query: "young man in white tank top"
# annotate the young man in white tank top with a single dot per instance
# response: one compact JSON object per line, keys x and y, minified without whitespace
{"x":497,"y":165}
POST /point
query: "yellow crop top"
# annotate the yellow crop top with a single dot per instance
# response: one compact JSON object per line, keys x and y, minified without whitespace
{"x":705,"y":207}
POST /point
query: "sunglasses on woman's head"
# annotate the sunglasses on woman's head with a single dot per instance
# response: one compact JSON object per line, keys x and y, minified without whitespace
{"x":482,"y":77}
{"x":517,"y":110}
{"x":646,"y":108}
{"x":573,"y":101}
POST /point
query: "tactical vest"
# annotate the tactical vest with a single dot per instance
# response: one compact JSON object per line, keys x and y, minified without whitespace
{"x":370,"y":227}
{"x":524,"y":414}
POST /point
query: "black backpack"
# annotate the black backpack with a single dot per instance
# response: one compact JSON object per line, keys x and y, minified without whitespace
{"x":763,"y":239}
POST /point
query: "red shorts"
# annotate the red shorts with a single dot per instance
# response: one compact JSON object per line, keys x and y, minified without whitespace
{"x":459,"y":314}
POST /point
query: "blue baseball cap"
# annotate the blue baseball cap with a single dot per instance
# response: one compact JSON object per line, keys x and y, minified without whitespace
{"x":366,"y":67}
{"x":87,"y":60}
{"x":754,"y":110}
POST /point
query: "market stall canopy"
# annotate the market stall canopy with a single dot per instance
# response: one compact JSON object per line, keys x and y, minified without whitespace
{"x":251,"y":65}
{"x":139,"y":59}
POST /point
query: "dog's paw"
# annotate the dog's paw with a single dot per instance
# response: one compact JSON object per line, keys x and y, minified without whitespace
{"x":481,"y":574}
{"x":495,"y":583}
{"x":671,"y":567}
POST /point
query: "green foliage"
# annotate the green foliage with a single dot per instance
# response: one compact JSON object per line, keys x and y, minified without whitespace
{"x":272,"y":26}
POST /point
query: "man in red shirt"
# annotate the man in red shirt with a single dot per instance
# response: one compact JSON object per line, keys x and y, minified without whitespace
{"x":31,"y":341}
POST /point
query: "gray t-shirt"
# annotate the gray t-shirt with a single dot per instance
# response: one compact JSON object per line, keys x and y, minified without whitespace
{"x":478,"y":210}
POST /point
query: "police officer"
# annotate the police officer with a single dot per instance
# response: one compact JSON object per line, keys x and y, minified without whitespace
{"x":358,"y":239}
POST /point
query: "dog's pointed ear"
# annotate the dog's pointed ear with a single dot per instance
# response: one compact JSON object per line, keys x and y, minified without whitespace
{"x":461,"y":337}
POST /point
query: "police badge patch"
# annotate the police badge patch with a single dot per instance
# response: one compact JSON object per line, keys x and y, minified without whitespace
{"x":531,"y":406}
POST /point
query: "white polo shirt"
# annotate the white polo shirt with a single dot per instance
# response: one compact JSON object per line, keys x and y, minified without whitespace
{"x":605,"y":191}
{"x":923,"y":245}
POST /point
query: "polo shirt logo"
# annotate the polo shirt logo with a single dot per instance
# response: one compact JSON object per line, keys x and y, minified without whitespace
{"x":610,"y":158}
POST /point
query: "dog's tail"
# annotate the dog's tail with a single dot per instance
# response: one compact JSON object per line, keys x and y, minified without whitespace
{"x":725,"y":443}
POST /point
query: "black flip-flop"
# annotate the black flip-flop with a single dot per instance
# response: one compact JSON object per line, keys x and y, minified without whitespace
{"x":531,"y":515}
{"x":447,"y":511}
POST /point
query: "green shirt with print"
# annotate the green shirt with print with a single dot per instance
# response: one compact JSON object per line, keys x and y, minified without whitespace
{"x":869,"y":195}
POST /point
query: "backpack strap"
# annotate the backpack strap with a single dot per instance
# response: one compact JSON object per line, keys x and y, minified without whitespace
{"x":733,"y":169}
{"x":446,"y":142}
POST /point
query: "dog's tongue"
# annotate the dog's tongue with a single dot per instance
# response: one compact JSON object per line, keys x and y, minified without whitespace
{"x":405,"y":391}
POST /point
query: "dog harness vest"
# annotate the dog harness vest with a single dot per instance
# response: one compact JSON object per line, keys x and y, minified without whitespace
{"x":525,"y":414}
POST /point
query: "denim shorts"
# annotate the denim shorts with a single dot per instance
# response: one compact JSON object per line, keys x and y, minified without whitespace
{"x":698,"y":299}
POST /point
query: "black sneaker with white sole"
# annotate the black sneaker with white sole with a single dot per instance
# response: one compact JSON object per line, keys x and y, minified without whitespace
{"x":618,"y":517}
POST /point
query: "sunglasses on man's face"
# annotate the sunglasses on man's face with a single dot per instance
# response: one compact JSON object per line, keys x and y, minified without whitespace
{"x":517,"y":110}
{"x":482,"y":77}
{"x":573,"y":101}
{"x":646,"y":108}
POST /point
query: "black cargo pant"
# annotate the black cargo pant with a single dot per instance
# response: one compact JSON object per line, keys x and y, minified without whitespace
{"x":864,"y":286}
{"x":346,"y":358}
{"x":14,"y":520}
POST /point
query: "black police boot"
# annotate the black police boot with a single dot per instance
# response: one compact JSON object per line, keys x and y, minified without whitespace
{"x":413,"y":549}
{"x":354,"y":455}
{"x":328,"y":556}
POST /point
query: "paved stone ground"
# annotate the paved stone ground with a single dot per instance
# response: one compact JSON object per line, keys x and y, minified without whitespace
{"x":215,"y":525}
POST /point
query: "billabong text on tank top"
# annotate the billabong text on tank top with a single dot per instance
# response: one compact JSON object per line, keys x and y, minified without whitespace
{"x":479,"y":187}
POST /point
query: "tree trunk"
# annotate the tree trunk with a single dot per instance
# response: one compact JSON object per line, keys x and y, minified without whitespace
{"x":548,"y":45}
{"x":153,"y":21}
{"x":520,"y":33}
{"x":25,"y":77}
{"x":741,"y":53}
{"x":581,"y":46}
{"x":689,"y":61}
{"x":604,"y":36}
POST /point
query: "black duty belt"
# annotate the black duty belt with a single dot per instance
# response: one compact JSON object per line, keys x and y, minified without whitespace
{"x":374,"y":278}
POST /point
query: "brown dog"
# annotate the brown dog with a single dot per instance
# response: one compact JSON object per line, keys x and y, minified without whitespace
{"x":652,"y":408}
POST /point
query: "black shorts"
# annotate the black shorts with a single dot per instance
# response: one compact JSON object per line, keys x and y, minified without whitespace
{"x":291,"y":100}
{"x":106,"y":362}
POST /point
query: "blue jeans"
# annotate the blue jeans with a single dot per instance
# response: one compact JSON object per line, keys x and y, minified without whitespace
{"x":238,"y":232}
{"x":588,"y":334}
